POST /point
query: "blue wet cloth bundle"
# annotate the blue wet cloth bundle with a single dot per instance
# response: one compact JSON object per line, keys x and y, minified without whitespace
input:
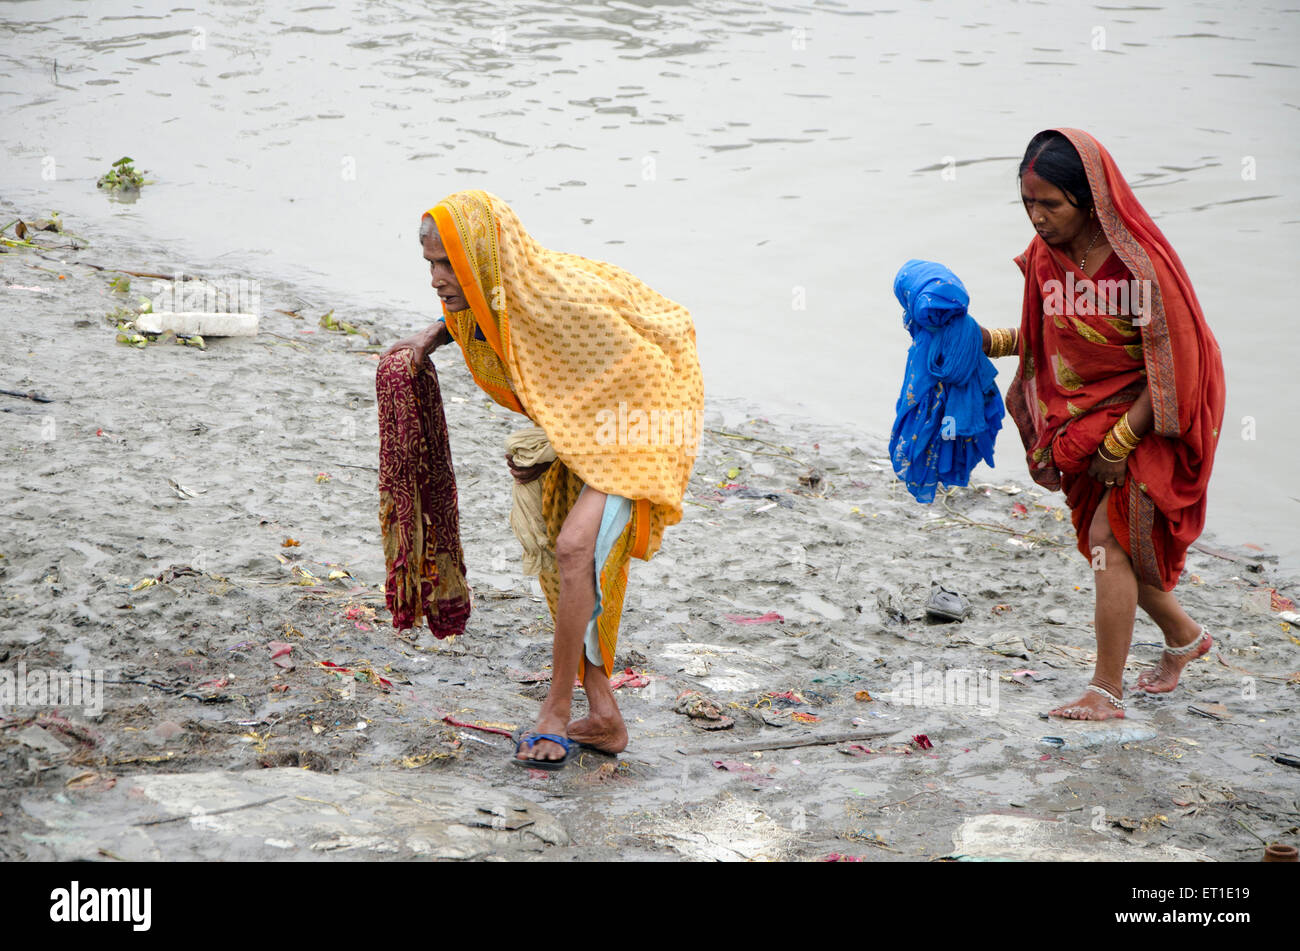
{"x":949,"y":411}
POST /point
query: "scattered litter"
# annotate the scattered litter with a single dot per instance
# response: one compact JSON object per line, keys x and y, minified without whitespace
{"x":280,"y":654}
{"x":1008,"y":644}
{"x":870,"y":838}
{"x":91,"y":780}
{"x":424,"y":759}
{"x":855,"y":749}
{"x":705,"y":711}
{"x":1212,"y":711}
{"x":922,"y":742}
{"x":945,"y":604}
{"x":182,"y":491}
{"x":1026,"y":677}
{"x":628,"y":678}
{"x":198,"y":323}
{"x":1140,"y":825}
{"x":733,"y":766}
{"x":863,"y":696}
{"x":1094,"y":738}
{"x":359,"y":673}
{"x":836,"y":678}
{"x":44,"y":742}
{"x":776,"y":718}
{"x":782,"y":700}
{"x":771,"y":617}
{"x":499,"y":730}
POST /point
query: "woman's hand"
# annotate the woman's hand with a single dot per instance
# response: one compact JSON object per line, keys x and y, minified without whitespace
{"x":526,"y":475}
{"x":423,"y":343}
{"x":986,"y":340}
{"x":1106,"y":472}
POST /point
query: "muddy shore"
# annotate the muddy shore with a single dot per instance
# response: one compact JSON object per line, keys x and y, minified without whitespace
{"x":146,"y":513}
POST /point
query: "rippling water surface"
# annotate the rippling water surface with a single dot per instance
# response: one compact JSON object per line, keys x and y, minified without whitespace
{"x":769,"y":165}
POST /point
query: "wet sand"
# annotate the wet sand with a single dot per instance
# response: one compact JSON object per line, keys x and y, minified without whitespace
{"x":274,"y":438}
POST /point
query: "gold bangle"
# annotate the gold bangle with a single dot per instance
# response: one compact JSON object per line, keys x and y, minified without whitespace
{"x":1101,"y":451}
{"x":1124,"y":433}
{"x":1002,"y":342}
{"x":1115,"y":448}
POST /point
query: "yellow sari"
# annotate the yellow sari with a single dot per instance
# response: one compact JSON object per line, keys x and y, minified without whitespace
{"x":606,"y":366}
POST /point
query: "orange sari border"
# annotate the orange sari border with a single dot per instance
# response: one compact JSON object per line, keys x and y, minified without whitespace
{"x":447,"y":219}
{"x":1155,"y":333}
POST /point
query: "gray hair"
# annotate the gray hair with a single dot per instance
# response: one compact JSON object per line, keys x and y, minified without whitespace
{"x":427,"y":227}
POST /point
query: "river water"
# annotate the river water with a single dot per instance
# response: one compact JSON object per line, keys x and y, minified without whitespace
{"x":769,"y":165}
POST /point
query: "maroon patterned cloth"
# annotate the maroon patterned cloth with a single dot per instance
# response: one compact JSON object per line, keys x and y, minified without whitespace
{"x":418,"y":512}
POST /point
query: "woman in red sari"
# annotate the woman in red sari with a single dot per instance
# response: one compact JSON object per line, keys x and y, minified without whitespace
{"x":1119,"y":398}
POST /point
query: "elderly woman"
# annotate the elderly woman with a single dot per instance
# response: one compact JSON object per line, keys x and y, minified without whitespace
{"x":1119,"y":398}
{"x":607,"y":371}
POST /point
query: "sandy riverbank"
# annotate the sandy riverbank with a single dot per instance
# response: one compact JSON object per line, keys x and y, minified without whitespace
{"x":150,"y":461}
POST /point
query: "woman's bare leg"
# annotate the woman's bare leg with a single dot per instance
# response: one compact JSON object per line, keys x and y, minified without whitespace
{"x":1116,"y":608}
{"x":1179,"y":631}
{"x":603,"y":727}
{"x":575,"y":554}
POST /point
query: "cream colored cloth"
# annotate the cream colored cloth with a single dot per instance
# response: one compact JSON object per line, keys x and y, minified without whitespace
{"x":529,"y":447}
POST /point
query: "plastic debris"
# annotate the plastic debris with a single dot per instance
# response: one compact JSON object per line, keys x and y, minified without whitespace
{"x":628,"y":678}
{"x":771,"y":617}
{"x":1095,"y":738}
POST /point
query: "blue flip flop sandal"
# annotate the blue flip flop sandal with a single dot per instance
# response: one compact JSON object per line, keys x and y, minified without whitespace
{"x":530,"y":739}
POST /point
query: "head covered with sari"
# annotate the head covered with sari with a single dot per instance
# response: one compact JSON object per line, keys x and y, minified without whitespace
{"x":1084,"y":362}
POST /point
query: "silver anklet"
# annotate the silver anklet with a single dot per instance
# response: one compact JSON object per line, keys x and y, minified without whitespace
{"x":1115,"y":701}
{"x":1186,"y":648}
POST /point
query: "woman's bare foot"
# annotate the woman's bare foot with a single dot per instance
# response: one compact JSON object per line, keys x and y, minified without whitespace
{"x":1091,"y":706}
{"x":1165,"y":677}
{"x":607,"y":734}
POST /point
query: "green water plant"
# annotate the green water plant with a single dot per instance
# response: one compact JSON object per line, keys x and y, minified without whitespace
{"x":121,"y":177}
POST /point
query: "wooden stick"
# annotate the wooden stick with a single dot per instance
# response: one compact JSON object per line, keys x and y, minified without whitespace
{"x":1226,"y":556}
{"x":29,"y":395}
{"x":790,"y":743}
{"x":214,"y":812}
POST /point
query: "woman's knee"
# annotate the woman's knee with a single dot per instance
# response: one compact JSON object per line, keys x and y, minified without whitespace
{"x":1100,"y":536}
{"x":1099,"y":533}
{"x":575,"y":551}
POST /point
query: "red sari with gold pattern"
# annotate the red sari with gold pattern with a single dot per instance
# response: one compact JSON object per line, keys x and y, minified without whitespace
{"x":1088,"y":346}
